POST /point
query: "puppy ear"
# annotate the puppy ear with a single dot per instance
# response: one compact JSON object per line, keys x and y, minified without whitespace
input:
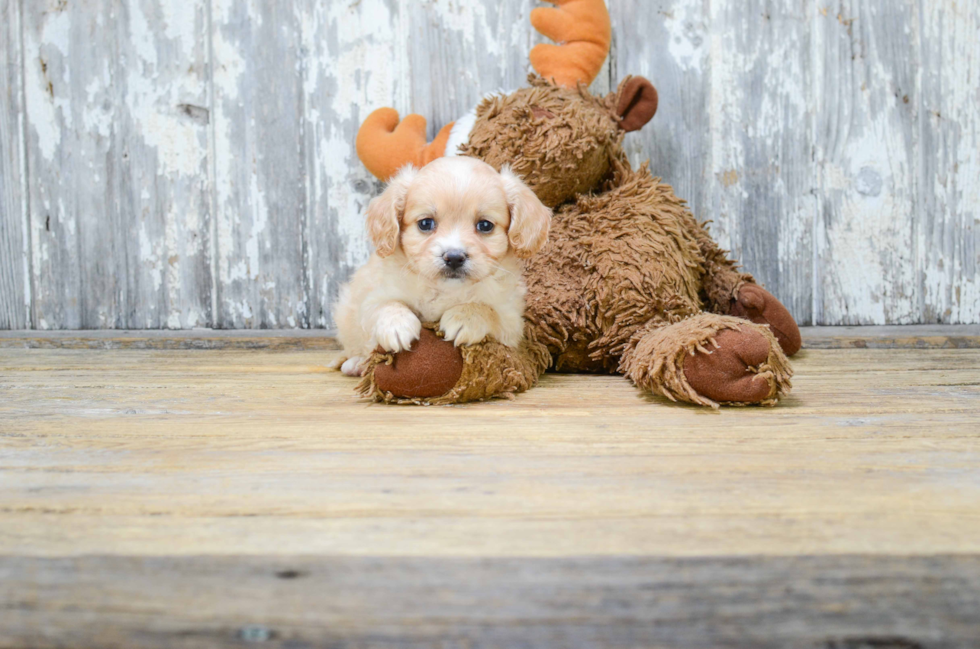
{"x":384,"y":213}
{"x":529,"y":218}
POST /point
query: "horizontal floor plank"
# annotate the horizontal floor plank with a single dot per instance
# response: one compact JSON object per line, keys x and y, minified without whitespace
{"x":275,"y":339}
{"x":263,"y":451}
{"x":825,"y":602}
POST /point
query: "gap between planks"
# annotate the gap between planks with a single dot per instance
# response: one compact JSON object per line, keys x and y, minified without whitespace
{"x":874,"y":337}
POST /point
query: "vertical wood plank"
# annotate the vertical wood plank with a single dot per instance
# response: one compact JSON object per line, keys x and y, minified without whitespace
{"x":949,"y":178}
{"x":260,"y":166}
{"x":761,"y":170}
{"x":355,"y":60}
{"x":15,"y":287}
{"x":116,"y":106}
{"x":460,"y":51}
{"x":668,"y":43}
{"x":867,"y":150}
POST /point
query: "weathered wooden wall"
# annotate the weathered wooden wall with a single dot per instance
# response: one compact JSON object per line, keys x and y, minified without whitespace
{"x":189,"y":163}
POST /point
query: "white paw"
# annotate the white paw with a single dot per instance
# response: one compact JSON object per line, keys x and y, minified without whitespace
{"x":462,"y":328}
{"x":397,"y":330}
{"x":353,"y":366}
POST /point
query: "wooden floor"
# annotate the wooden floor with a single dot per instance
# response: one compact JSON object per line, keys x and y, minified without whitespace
{"x":161,"y":497}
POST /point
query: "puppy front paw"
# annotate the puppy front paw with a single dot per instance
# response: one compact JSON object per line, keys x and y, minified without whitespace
{"x":397,"y":329}
{"x":353,"y":366}
{"x":464,"y":325}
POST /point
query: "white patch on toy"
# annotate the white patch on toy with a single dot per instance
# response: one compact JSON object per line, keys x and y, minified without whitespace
{"x":460,"y":132}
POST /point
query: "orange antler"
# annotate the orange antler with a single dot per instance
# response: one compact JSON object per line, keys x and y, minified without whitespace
{"x":385,"y":146}
{"x":582,"y":30}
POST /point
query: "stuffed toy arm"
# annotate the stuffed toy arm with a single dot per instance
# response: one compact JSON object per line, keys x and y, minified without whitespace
{"x":728,"y":291}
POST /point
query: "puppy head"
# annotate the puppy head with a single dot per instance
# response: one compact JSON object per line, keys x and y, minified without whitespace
{"x":457,"y":218}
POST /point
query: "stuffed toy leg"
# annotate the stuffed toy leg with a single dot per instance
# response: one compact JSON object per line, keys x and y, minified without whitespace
{"x":622,"y":286}
{"x":708,"y":359}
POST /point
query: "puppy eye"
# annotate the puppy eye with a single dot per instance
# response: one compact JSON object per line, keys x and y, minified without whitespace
{"x":427,"y":224}
{"x":484,"y":226}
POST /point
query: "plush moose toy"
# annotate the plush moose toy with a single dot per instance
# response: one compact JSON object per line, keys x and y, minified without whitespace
{"x":629,"y":281}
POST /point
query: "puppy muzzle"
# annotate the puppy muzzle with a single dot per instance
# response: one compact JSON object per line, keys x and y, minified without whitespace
{"x":455,"y":264}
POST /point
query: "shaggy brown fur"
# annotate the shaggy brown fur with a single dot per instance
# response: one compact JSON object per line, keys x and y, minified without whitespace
{"x":722,"y":279}
{"x":633,"y":259}
{"x":558,"y":140}
{"x":641,"y":254}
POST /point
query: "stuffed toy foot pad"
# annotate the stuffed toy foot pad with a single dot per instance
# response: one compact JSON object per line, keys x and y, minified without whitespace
{"x":430,"y":369}
{"x":758,"y":305}
{"x":726,"y":373}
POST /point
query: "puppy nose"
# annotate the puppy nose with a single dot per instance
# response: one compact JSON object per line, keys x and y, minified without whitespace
{"x":454,"y":258}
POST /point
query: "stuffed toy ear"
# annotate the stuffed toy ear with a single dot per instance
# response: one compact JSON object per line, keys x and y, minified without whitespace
{"x":529,"y":218}
{"x":384,"y":213}
{"x":637,"y":103}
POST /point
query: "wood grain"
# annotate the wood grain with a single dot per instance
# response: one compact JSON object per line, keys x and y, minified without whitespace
{"x":117,"y":144}
{"x":949,"y":176}
{"x":261,"y":452}
{"x":209,"y":498}
{"x":15,"y":286}
{"x":887,"y":337}
{"x":841,"y":602}
{"x":867,"y":151}
{"x":461,"y":51}
{"x":669,"y":42}
{"x":259,"y":172}
{"x":355,"y":60}
{"x":761,"y":176}
{"x":893,"y":337}
{"x":274,"y":339}
{"x":193,"y":165}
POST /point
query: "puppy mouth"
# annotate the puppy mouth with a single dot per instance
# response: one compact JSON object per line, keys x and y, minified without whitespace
{"x":454,"y":273}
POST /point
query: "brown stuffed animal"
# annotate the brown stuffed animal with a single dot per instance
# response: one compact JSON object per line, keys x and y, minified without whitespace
{"x":629,"y":281}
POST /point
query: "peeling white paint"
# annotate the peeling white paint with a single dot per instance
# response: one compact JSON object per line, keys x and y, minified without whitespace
{"x":886,"y":227}
{"x":151,"y":251}
{"x":180,"y":23}
{"x":867,"y":259}
{"x":686,"y":39}
{"x":143,"y":39}
{"x":46,"y":110}
{"x":57,"y":31}
{"x":949,"y":222}
{"x":230,"y":66}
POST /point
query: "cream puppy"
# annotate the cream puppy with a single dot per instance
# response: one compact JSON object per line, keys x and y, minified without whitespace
{"x":449,"y":240}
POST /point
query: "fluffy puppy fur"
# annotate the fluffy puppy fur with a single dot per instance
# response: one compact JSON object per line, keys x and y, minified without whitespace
{"x":449,"y":240}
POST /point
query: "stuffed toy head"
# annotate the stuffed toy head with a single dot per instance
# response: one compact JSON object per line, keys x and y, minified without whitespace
{"x":559,"y":140}
{"x":555,"y":135}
